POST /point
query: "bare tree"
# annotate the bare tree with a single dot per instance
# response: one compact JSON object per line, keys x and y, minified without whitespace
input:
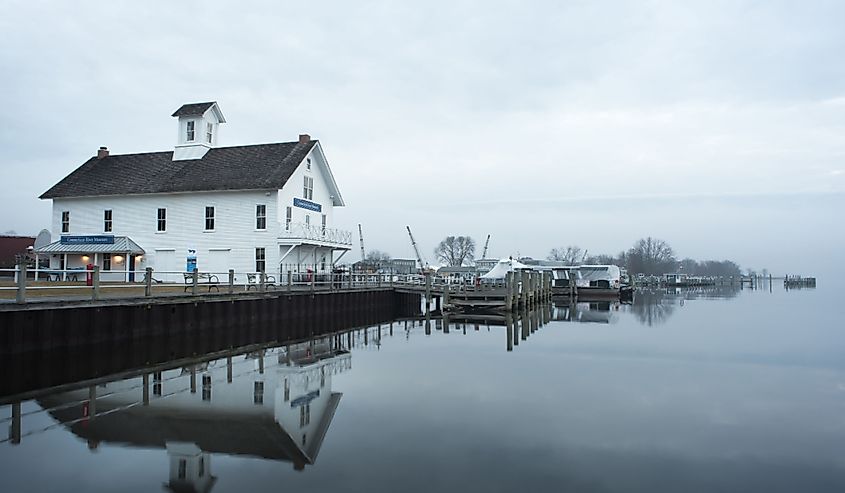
{"x":455,"y":250}
{"x":651,"y":256}
{"x":570,"y":255}
{"x":376,"y":256}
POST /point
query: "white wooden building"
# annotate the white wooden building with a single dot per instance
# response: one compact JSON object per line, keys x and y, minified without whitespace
{"x":265,"y":207}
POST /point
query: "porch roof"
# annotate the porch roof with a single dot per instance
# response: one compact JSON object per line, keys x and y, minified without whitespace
{"x":122,"y":244}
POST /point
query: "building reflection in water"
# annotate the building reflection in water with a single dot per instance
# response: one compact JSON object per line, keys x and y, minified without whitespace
{"x":273,"y":404}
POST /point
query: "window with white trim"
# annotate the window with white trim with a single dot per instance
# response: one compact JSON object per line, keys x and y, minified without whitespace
{"x":308,"y":187}
{"x":260,"y":216}
{"x":209,"y":132}
{"x":190,"y":131}
{"x":65,"y":221}
{"x":260,"y":259}
{"x":209,"y":218}
{"x":107,"y":224}
{"x":161,"y":219}
{"x":106,"y":261}
{"x":308,"y":164}
{"x":288,"y":217}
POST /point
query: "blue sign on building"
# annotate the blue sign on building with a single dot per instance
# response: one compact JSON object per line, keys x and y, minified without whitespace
{"x":88,"y":240}
{"x":306,"y":204}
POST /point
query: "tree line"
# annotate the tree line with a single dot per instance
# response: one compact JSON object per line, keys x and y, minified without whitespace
{"x":648,"y":256}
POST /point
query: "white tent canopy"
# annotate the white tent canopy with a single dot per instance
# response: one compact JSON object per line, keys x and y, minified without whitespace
{"x":503,"y":267}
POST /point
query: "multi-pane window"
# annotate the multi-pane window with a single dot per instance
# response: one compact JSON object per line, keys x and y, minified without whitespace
{"x":307,"y":187}
{"x":260,"y":216}
{"x":107,"y":220}
{"x":258,"y":393}
{"x":190,"y":132}
{"x":161,"y":221}
{"x":182,"y":473}
{"x":65,"y":221}
{"x":260,"y":260}
{"x":106,"y":261}
{"x":288,"y":217}
{"x":209,"y":218}
{"x":209,"y":132}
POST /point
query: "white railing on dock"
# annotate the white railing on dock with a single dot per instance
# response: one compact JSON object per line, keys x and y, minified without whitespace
{"x":70,"y":284}
{"x":316,"y":233}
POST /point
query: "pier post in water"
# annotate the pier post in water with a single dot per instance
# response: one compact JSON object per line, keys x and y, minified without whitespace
{"x":195,"y":276}
{"x":15,"y":429}
{"x":231,"y":281}
{"x":509,"y":325}
{"x":427,"y":293}
{"x":148,"y":282}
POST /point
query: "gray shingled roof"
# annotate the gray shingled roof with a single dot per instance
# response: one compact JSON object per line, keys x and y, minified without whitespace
{"x":193,"y":109}
{"x":252,"y":167}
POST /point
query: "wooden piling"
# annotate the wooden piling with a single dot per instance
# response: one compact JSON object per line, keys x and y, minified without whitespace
{"x":231,"y":281}
{"x":148,"y":282}
{"x":95,"y":281}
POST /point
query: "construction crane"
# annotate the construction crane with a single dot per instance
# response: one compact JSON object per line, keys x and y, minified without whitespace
{"x":584,"y":258}
{"x":486,"y":243}
{"x":361,"y":239}
{"x":416,"y":250}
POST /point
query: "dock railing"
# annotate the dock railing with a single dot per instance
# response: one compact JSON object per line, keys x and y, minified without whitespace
{"x":95,"y":284}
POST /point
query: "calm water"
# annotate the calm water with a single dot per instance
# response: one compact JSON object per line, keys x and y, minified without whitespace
{"x":714,"y":391}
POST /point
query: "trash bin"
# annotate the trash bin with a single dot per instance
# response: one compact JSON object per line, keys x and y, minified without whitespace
{"x":89,"y":275}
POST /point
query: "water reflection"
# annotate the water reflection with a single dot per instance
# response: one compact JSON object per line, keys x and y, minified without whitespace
{"x":655,"y":306}
{"x":275,"y":404}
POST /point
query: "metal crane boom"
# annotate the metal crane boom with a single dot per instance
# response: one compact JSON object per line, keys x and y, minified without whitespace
{"x":361,"y":239}
{"x":416,"y":250}
{"x":486,"y":243}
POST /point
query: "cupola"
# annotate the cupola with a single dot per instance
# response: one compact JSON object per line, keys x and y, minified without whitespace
{"x":198,"y":128}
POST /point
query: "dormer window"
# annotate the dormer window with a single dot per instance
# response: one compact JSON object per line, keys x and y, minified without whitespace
{"x":209,"y":132}
{"x":190,"y":135}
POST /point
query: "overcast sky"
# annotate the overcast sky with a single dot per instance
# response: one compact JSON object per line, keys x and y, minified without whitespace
{"x":717,"y":126}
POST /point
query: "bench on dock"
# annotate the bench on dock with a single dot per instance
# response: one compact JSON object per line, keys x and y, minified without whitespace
{"x":254,"y":280}
{"x":203,"y":279}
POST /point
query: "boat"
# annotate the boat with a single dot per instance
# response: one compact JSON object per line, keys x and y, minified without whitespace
{"x":591,"y":282}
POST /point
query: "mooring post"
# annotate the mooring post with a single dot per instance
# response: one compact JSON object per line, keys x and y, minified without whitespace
{"x":262,"y":281}
{"x":523,"y":294}
{"x":444,"y":300}
{"x":193,"y":379}
{"x":148,"y":281}
{"x":231,"y":281}
{"x":313,"y":278}
{"x":15,"y":429}
{"x":95,"y":282}
{"x":427,"y":292}
{"x":228,"y":369}
{"x":195,"y":277}
{"x":20,"y":298}
{"x":290,"y":280}
{"x":508,"y":290}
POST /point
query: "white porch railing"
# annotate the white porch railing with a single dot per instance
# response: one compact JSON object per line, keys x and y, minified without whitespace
{"x":302,"y":231}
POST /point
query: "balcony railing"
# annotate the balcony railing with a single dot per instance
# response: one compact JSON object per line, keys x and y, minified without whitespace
{"x":302,"y":231}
